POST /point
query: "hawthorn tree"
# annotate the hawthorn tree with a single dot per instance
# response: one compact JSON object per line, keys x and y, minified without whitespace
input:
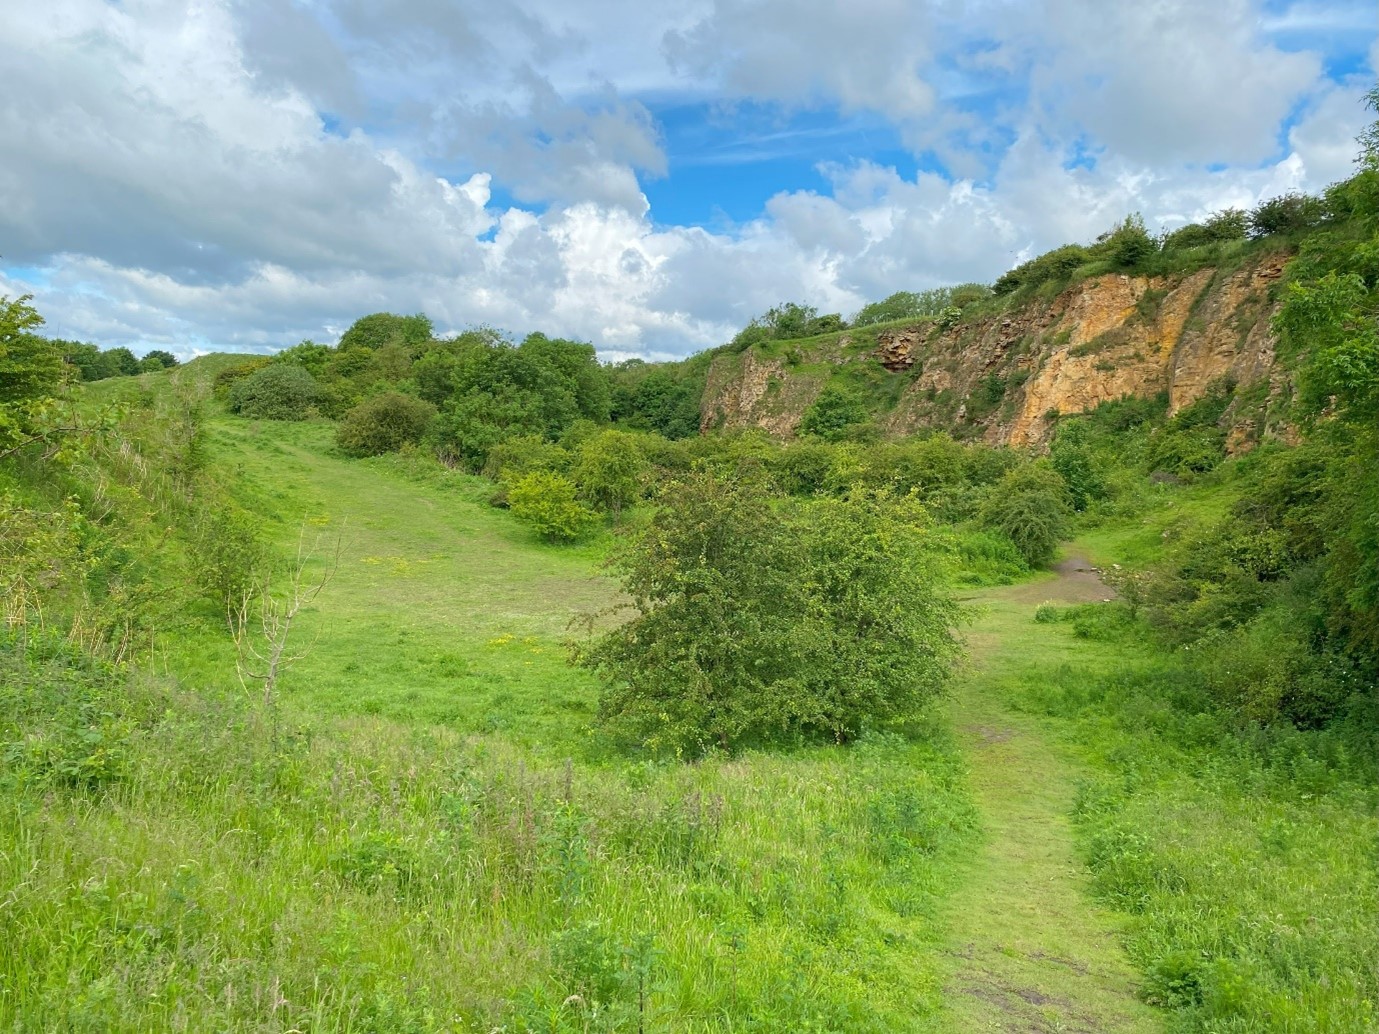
{"x":757,"y":624}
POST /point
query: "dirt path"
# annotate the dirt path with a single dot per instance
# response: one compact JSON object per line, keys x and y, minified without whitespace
{"x":1031,"y":952}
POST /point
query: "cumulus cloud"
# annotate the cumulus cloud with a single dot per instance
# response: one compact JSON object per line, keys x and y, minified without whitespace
{"x":865,"y":55}
{"x":197,"y":174}
{"x":1167,"y":80}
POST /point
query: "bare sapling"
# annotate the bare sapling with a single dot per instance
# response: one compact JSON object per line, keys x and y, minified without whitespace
{"x":261,"y":619}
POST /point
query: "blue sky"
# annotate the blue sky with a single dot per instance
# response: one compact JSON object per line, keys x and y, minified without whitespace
{"x":243,"y":174}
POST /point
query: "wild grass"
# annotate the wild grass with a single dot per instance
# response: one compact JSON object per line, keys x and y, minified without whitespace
{"x":422,"y":832}
{"x":1245,"y":855}
{"x":179,"y":862}
{"x":425,"y":832}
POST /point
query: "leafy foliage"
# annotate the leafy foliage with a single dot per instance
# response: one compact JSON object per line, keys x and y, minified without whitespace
{"x":164,"y":359}
{"x":833,"y":413}
{"x":30,"y":367}
{"x":608,"y":470}
{"x":756,"y":624}
{"x":786,"y":322}
{"x":497,"y":391}
{"x":1229,"y":224}
{"x":385,"y":328}
{"x":1193,"y":441}
{"x":384,"y":423}
{"x":1030,"y":506}
{"x":664,"y":398}
{"x":914,"y":304}
{"x":1057,"y":264}
{"x":1287,"y":213}
{"x":1129,"y":244}
{"x":277,"y":391}
{"x":546,"y":501}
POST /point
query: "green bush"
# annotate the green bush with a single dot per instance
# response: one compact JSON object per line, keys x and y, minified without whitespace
{"x":1129,"y":244}
{"x":608,"y":471}
{"x":1287,"y":213}
{"x":384,"y":328}
{"x":308,"y":354}
{"x":384,"y":423}
{"x":1030,"y":506}
{"x":226,"y":379}
{"x":165,"y":360}
{"x":1078,"y":468}
{"x":228,"y":555}
{"x":1230,"y":224}
{"x":30,"y":366}
{"x":516,"y":457}
{"x":756,"y":624}
{"x":546,"y":501}
{"x":787,"y":321}
{"x":917,"y":304}
{"x":831,"y":414}
{"x":1052,"y":266}
{"x":801,"y":468}
{"x":275,"y":392}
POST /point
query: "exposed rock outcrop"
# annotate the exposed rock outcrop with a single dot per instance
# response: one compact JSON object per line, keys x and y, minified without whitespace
{"x":1000,"y":378}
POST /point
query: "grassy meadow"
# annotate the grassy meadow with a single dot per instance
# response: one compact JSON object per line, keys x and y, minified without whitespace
{"x":424,"y":830}
{"x":422,"y":834}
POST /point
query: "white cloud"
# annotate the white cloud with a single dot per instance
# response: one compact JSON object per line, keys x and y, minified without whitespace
{"x":1163,"y":81}
{"x":866,"y":55}
{"x":172,"y":180}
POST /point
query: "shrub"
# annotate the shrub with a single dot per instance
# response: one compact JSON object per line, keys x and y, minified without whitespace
{"x":1058,"y":264}
{"x":899,"y":306}
{"x":227,"y":554}
{"x":912,"y":305}
{"x":546,"y":501}
{"x":315,"y":358}
{"x":1229,"y":224}
{"x":1287,"y":213}
{"x":832,"y":413}
{"x":757,"y":625}
{"x":384,"y":328}
{"x":30,"y":366}
{"x":609,"y":471}
{"x":1129,"y":244}
{"x":384,"y":423}
{"x":1186,"y":453}
{"x":801,"y":468}
{"x":510,"y":460}
{"x":165,"y":360}
{"x":1078,"y":469}
{"x":1030,"y":506}
{"x":787,"y":321}
{"x":275,"y":392}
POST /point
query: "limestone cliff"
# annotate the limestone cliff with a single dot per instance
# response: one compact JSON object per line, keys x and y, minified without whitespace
{"x":1000,"y":378}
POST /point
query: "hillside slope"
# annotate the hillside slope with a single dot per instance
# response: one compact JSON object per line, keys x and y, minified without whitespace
{"x":1000,"y":376}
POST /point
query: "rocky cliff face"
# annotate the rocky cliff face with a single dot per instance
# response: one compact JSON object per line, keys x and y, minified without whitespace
{"x":1001,"y":378}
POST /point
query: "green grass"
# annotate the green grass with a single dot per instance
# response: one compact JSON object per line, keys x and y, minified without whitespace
{"x":1030,"y":950}
{"x":442,"y":610}
{"x":1243,"y":858}
{"x":366,"y":875}
{"x":1160,"y":512}
{"x":427,"y":833}
{"x":424,"y":834}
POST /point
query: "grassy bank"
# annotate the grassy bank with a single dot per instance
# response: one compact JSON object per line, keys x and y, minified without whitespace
{"x":421,"y":833}
{"x":1243,"y":857}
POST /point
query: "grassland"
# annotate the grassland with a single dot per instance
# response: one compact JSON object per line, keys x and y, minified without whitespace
{"x":422,"y":834}
{"x":425,"y":833}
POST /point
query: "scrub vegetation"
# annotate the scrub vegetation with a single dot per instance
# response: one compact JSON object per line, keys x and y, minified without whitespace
{"x":578,"y":719}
